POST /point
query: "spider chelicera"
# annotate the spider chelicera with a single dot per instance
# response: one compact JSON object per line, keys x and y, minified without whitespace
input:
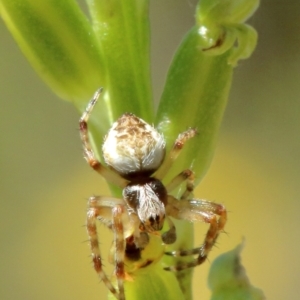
{"x":134,"y":153}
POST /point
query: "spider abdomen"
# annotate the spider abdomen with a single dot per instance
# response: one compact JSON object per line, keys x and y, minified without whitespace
{"x":133,"y":146}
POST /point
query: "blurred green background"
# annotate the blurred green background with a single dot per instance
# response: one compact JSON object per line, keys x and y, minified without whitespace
{"x":45,"y":183}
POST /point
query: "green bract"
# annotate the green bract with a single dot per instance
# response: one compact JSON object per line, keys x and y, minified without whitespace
{"x":75,"y":56}
{"x":228,"y":280}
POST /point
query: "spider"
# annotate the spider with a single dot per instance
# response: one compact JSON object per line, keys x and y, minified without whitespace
{"x":134,"y":153}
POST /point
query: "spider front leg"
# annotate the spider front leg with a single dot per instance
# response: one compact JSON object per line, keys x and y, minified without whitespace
{"x":89,"y":154}
{"x":111,"y":212}
{"x":175,"y":151}
{"x":197,"y":210}
{"x":187,"y":176}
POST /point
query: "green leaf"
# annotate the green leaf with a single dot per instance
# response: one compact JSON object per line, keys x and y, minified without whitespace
{"x":195,"y":95}
{"x":199,"y":79}
{"x":59,"y":42}
{"x":196,"y":92}
{"x":122,"y":28}
{"x":228,"y":280}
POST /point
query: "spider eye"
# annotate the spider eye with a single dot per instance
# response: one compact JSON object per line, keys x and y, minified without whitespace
{"x":155,"y":222}
{"x":132,"y":145}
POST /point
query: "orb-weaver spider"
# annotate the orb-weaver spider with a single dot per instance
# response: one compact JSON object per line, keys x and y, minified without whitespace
{"x":134,"y":153}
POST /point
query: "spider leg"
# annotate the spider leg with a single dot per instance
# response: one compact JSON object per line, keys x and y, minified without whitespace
{"x":110,"y":211}
{"x":89,"y":154}
{"x":175,"y":151}
{"x":197,"y":210}
{"x":120,"y":248}
{"x":186,"y":175}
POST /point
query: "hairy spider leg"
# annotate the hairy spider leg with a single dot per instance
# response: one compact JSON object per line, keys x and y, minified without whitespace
{"x":197,"y":210}
{"x":169,"y":237}
{"x":110,"y":211}
{"x":186,"y":175}
{"x":175,"y":151}
{"x":118,"y":229}
{"x":89,"y":154}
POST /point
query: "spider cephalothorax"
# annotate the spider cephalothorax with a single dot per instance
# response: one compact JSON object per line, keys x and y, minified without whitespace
{"x":148,"y":199}
{"x":134,"y":152}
